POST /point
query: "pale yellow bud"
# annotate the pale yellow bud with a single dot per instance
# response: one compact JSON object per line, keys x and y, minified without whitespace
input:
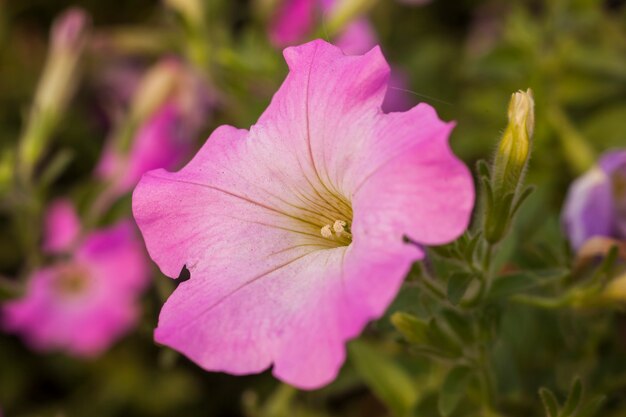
{"x":343,"y":12}
{"x":514,"y":147}
{"x":156,"y":87}
{"x":616,"y":289}
{"x":191,"y":10}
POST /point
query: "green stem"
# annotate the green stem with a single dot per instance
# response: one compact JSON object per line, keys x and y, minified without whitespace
{"x":487,"y":382}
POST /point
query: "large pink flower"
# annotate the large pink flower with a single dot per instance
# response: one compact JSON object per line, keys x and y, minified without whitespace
{"x":293,"y":230}
{"x":81,"y":304}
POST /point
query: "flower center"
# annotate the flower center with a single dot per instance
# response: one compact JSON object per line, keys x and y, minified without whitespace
{"x":338,"y":232}
{"x":71,"y":281}
{"x":326,"y":217}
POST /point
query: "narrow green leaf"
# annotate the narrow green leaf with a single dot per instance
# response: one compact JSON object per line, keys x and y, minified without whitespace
{"x":413,"y":329}
{"x":488,"y":195}
{"x":441,"y":339}
{"x":573,"y":399}
{"x":459,"y":325}
{"x":453,"y":390}
{"x":507,"y":285}
{"x":605,"y":271}
{"x":470,"y":249}
{"x":55,"y":167}
{"x":457,"y":285}
{"x":550,"y":403}
{"x":525,"y":194}
{"x":388,"y":381}
{"x":482,"y":167}
{"x":592,"y":407}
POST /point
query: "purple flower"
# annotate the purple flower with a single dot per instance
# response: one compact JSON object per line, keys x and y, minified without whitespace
{"x":81,"y":303}
{"x":596,"y":202}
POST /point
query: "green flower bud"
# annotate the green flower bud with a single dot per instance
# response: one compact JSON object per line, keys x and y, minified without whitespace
{"x":509,"y":166}
{"x":56,"y":86}
{"x":514,"y":147}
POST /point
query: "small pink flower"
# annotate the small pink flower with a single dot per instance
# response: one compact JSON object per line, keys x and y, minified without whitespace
{"x":357,"y":38}
{"x":161,"y":142}
{"x":293,"y":20}
{"x":69,"y":29}
{"x":84,"y":303}
{"x":293,"y":230}
{"x":61,"y":227}
{"x":166,"y":138}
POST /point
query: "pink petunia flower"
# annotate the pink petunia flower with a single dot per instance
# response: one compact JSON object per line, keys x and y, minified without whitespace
{"x":161,"y":142}
{"x":293,"y":20}
{"x":61,"y":227}
{"x":293,"y":231}
{"x":357,"y":38}
{"x":83,"y":303}
{"x":166,"y":138}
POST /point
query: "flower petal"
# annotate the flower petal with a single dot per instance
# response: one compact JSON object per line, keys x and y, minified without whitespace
{"x":294,"y":19}
{"x":61,"y":226}
{"x":588,"y":209}
{"x":413,"y":184}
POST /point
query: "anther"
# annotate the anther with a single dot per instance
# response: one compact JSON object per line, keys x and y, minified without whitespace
{"x":326,"y":232}
{"x":339,"y":226}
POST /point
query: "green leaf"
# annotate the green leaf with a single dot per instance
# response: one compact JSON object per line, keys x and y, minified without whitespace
{"x":482,"y":167}
{"x":413,"y":329}
{"x":468,"y":253}
{"x":457,"y":285}
{"x":550,"y":403}
{"x":441,"y":339}
{"x":573,"y":399}
{"x":55,"y":167}
{"x":459,"y":325}
{"x":507,"y":285}
{"x":388,"y":381}
{"x":525,"y":194}
{"x":488,"y":195}
{"x":592,"y":407}
{"x":453,"y":390}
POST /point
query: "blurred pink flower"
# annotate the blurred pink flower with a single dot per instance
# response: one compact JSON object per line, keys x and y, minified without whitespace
{"x":162,"y":142}
{"x":69,"y":29}
{"x":293,"y":231}
{"x":84,"y":303}
{"x":61,"y":227}
{"x":166,"y":138}
{"x":357,"y":38}
{"x":293,"y":20}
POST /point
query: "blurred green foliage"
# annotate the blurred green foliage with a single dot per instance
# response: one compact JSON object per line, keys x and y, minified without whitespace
{"x":465,"y":58}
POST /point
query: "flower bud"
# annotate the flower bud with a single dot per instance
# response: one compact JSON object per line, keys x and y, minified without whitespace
{"x":68,"y":36}
{"x":616,"y":289}
{"x":68,"y":30}
{"x":509,"y":164}
{"x":514,"y":147}
{"x":345,"y":11}
{"x":191,"y":10}
{"x":155,"y":88}
{"x":56,"y":85}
